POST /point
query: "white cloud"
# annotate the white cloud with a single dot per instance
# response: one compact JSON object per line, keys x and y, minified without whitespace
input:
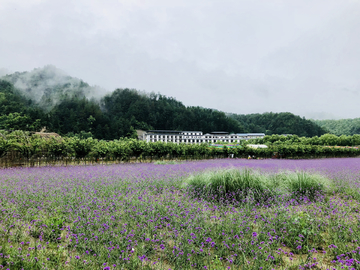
{"x":287,"y":55}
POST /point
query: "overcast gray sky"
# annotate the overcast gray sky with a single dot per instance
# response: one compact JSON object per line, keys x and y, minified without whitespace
{"x":253,"y":56}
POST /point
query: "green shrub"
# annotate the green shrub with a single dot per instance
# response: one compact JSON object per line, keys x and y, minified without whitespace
{"x":242,"y":183}
{"x":305,"y":184}
{"x":259,"y":186}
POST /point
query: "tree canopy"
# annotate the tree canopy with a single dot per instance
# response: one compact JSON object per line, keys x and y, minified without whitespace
{"x":279,"y":123}
{"x":63,"y":107}
{"x":340,"y":127}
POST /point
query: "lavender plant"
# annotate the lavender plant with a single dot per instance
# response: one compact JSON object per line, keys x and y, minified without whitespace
{"x":139,"y":216}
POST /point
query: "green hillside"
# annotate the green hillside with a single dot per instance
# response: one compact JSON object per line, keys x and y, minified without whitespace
{"x":279,"y":123}
{"x":48,"y":98}
{"x":48,"y":86}
{"x":341,"y":127}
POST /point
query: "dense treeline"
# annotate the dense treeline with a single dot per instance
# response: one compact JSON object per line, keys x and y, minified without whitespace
{"x":19,"y":146}
{"x":116,"y":115}
{"x":160,"y":112}
{"x":324,"y":140}
{"x":47,"y":98}
{"x":279,"y":123}
{"x":17,"y":112}
{"x":340,"y":127}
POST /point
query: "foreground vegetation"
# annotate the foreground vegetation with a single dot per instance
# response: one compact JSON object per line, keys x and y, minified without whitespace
{"x":147,"y":216}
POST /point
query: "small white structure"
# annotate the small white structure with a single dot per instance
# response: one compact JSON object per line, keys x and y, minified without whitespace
{"x":255,"y":146}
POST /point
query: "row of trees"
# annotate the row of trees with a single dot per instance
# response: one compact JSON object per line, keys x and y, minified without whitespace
{"x":28,"y":146}
{"x":33,"y":146}
{"x":326,"y":140}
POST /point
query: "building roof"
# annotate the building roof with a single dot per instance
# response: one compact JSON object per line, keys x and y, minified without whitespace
{"x":163,"y":131}
{"x":47,"y":134}
{"x":250,"y":134}
{"x":140,"y":132}
{"x":219,"y":132}
{"x":168,"y":134}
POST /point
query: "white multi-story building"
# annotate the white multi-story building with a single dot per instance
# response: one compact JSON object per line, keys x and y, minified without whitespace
{"x":248,"y":136}
{"x":189,"y":136}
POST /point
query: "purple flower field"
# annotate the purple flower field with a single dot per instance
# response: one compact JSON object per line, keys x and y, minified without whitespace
{"x":137,"y":216}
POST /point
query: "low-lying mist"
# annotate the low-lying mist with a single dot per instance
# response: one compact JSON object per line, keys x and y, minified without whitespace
{"x":49,"y":85}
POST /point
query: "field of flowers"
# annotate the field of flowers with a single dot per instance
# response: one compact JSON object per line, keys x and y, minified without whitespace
{"x":140,"y":216}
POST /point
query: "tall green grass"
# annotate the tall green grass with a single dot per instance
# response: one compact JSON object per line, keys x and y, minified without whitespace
{"x":260,"y":186}
{"x":160,"y":162}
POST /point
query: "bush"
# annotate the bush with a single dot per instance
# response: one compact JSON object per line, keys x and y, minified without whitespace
{"x":254,"y":185}
{"x":310,"y":185}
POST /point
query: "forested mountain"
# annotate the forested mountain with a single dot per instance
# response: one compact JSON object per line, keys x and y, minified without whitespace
{"x":117,"y":114}
{"x":279,"y":123}
{"x":47,"y":97}
{"x":18,"y":112}
{"x":341,"y":127}
{"x":48,"y":86}
{"x":160,"y":112}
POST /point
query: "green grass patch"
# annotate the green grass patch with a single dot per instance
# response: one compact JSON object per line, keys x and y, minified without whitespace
{"x":257,"y":185}
{"x":163,"y":162}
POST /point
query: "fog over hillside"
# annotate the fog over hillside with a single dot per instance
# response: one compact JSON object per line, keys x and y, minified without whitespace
{"x":48,"y":85}
{"x":4,"y":71}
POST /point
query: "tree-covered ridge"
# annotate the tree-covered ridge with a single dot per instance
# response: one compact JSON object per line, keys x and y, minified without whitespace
{"x":341,"y":127}
{"x":156,"y":111}
{"x":18,"y":112}
{"x":117,"y":115}
{"x":278,"y":123}
{"x":47,"y":98}
{"x":48,"y":86}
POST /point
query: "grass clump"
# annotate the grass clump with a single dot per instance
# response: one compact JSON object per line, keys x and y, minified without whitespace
{"x":162,"y":162}
{"x":306,"y":184}
{"x":259,"y":186}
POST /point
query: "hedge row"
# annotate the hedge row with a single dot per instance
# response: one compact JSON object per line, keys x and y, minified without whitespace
{"x":27,"y":146}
